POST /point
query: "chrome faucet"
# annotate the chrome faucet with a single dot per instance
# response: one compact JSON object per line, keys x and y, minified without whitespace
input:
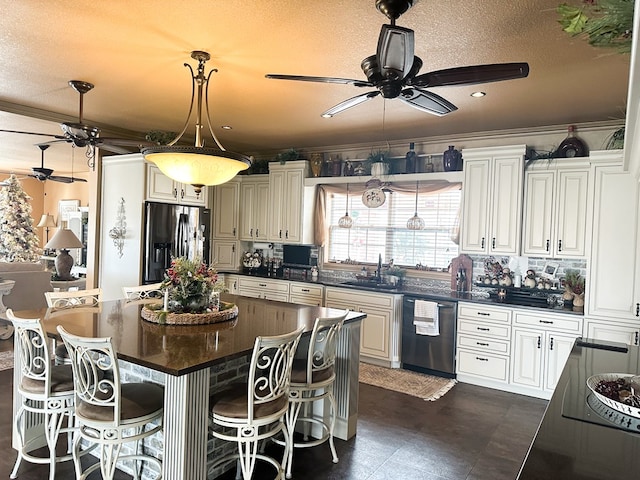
{"x":379,"y":271}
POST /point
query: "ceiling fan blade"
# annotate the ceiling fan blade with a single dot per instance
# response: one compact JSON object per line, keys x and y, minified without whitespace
{"x":304,"y":78}
{"x":351,"y":102}
{"x":60,"y":137}
{"x":427,"y":101}
{"x":57,"y":178}
{"x":395,"y":51}
{"x":473,"y":74}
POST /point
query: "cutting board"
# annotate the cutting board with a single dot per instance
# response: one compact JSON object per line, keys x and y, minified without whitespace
{"x":466,"y":263}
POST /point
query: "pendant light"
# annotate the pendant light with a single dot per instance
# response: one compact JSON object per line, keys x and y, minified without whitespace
{"x":197,"y":165}
{"x":415,"y":222}
{"x":346,"y":221}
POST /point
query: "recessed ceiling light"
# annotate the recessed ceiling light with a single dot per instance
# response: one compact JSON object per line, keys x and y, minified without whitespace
{"x":478,"y":94}
{"x":227,"y":127}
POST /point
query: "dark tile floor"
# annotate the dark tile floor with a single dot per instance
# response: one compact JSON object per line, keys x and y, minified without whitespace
{"x":471,"y":433}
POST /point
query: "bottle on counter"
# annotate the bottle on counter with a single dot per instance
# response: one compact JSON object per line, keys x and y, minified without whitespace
{"x":411,"y":159}
{"x":572,"y":146}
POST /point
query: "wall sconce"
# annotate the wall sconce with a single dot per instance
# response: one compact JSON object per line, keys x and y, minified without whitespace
{"x":118,"y":232}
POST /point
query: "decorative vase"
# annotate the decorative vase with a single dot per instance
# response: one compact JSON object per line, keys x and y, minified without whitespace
{"x":315,"y":162}
{"x":567,"y":297}
{"x":452,"y":160}
{"x":379,"y":169}
{"x":336,"y":168}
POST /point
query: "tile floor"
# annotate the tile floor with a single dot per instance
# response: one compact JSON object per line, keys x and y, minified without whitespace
{"x":471,"y":433}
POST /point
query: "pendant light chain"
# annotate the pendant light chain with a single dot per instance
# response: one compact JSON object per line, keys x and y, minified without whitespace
{"x":346,"y":221}
{"x":415,"y":222}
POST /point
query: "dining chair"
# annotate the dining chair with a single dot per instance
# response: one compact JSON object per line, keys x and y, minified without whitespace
{"x":312,"y":379}
{"x":142,"y":292}
{"x":110,"y":413}
{"x":71,"y":299}
{"x":46,"y":392}
{"x":252,"y":411}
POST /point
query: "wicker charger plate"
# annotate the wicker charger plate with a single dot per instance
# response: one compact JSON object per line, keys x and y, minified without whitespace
{"x":593,"y":381}
{"x":156,"y":315}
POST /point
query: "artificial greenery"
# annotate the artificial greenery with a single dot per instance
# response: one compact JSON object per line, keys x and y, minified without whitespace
{"x":574,"y":281}
{"x":396,"y":272}
{"x":290,"y":155}
{"x":605,"y":23}
{"x":160,"y":137}
{"x":379,"y":156}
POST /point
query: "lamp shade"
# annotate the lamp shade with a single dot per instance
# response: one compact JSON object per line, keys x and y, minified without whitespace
{"x":64,"y":239}
{"x":46,"y":221}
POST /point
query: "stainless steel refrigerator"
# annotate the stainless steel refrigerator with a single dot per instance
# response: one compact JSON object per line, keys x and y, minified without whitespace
{"x":173,"y":231}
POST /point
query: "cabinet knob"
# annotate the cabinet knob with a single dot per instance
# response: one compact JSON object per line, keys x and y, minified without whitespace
{"x":482,"y":243}
{"x":493,"y":242}
{"x":547,"y":247}
{"x":559,"y":245}
{"x":539,"y":341}
{"x":483,"y":329}
{"x":182,"y":193}
{"x":251,"y":232}
{"x":482,"y":359}
{"x":175,"y":193}
{"x":257,"y":232}
{"x":636,"y":340}
{"x":280,"y":233}
{"x":637,"y":309}
{"x":551,"y":343}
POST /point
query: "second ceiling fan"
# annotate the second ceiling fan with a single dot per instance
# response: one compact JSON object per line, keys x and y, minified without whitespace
{"x":42,"y":173}
{"x":393,"y":70}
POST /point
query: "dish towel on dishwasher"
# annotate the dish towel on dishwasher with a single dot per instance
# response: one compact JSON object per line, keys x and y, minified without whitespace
{"x":425,"y":318}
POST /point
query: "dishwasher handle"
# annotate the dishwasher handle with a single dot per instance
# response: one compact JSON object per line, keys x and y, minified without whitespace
{"x":440,"y":305}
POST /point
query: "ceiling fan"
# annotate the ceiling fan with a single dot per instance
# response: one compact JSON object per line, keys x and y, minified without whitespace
{"x":393,"y":70}
{"x":43,"y":174}
{"x":84,"y":135}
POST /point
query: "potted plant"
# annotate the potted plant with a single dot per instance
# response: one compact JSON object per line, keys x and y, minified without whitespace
{"x":379,"y":163}
{"x":574,"y":288}
{"x":395,"y":275}
{"x":290,"y":155}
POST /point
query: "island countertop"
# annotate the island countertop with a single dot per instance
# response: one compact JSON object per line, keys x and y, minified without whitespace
{"x":580,"y":438}
{"x":176,"y":349}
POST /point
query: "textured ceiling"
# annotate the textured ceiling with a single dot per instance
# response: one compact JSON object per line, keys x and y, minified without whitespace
{"x":134,"y":54}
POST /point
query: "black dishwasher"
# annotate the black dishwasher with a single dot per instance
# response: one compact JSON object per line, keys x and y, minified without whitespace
{"x":433,"y":354}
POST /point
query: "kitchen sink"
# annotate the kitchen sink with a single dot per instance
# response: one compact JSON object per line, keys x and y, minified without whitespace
{"x":362,"y":283}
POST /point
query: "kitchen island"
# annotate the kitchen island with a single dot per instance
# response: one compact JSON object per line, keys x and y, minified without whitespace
{"x":580,"y":438}
{"x":186,"y":358}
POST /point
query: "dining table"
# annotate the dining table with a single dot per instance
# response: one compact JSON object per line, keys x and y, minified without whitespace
{"x":181,"y":358}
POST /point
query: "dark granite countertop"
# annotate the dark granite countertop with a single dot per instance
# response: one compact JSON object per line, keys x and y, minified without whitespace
{"x":578,"y":439}
{"x":435,"y":294}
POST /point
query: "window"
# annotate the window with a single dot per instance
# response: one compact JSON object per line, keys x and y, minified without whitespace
{"x":383,"y":230}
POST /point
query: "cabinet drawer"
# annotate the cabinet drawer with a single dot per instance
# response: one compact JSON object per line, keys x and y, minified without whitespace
{"x":565,"y":323}
{"x":484,"y":328}
{"x":493,"y":314}
{"x":364,"y":299}
{"x":489,"y":345}
{"x":483,"y":365}
{"x":311,"y":300}
{"x":262,"y":283}
{"x":306,"y":289}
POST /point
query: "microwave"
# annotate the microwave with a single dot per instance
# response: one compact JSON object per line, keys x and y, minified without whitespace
{"x":300,"y":256}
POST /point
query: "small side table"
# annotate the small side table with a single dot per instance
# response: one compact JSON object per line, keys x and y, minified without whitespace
{"x":6,"y":330}
{"x":65,"y":285}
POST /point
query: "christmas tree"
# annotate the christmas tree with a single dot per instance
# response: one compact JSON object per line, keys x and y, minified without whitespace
{"x":18,"y":240}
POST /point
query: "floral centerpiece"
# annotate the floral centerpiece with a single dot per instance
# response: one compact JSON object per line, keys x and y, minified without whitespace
{"x":191,"y":285}
{"x":191,"y":296}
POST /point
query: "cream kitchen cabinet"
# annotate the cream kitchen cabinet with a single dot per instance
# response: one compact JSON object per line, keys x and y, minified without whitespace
{"x":306,"y":294}
{"x":492,"y":200}
{"x":555,"y":211}
{"x":621,"y":332}
{"x":263,"y":288}
{"x":290,"y":203}
{"x":254,"y":202}
{"x":224,"y":254}
{"x":164,"y":189}
{"x":613,"y":279}
{"x":541,"y":344}
{"x":226,"y":208}
{"x":483,"y":344}
{"x":380,"y":331}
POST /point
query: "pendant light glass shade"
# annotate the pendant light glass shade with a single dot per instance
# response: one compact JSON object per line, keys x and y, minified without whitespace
{"x":197,"y":165}
{"x":415,"y":222}
{"x":346,"y":221}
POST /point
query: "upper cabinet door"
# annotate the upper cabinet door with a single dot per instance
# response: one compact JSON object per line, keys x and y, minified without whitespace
{"x":571,"y":218}
{"x":226,"y":198}
{"x":160,"y":187}
{"x":538,"y":213}
{"x":492,"y":200}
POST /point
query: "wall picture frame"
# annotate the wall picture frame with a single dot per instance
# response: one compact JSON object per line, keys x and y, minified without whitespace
{"x":64,"y":208}
{"x":550,"y":270}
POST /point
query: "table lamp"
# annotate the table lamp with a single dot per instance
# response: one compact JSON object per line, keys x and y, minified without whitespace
{"x":47,"y":221}
{"x":63,"y":240}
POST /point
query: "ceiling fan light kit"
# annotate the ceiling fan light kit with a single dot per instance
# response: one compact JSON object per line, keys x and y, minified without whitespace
{"x":197,"y":165}
{"x":393,"y":71}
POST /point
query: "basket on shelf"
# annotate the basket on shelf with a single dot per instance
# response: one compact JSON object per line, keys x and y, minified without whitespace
{"x":154,"y":313}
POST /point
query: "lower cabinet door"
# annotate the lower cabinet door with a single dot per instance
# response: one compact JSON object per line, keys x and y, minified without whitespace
{"x":558,"y":349}
{"x":374,"y":334}
{"x":526,"y":358}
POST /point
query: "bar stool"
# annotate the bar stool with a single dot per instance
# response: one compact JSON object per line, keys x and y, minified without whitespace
{"x":142,"y":292}
{"x":72,"y":299}
{"x":312,"y":380}
{"x":255,"y":410}
{"x":45,"y":389}
{"x":110,"y":413}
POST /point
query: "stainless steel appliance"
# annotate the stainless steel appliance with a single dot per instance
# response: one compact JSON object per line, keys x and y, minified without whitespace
{"x":173,"y":231}
{"x":426,"y":353}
